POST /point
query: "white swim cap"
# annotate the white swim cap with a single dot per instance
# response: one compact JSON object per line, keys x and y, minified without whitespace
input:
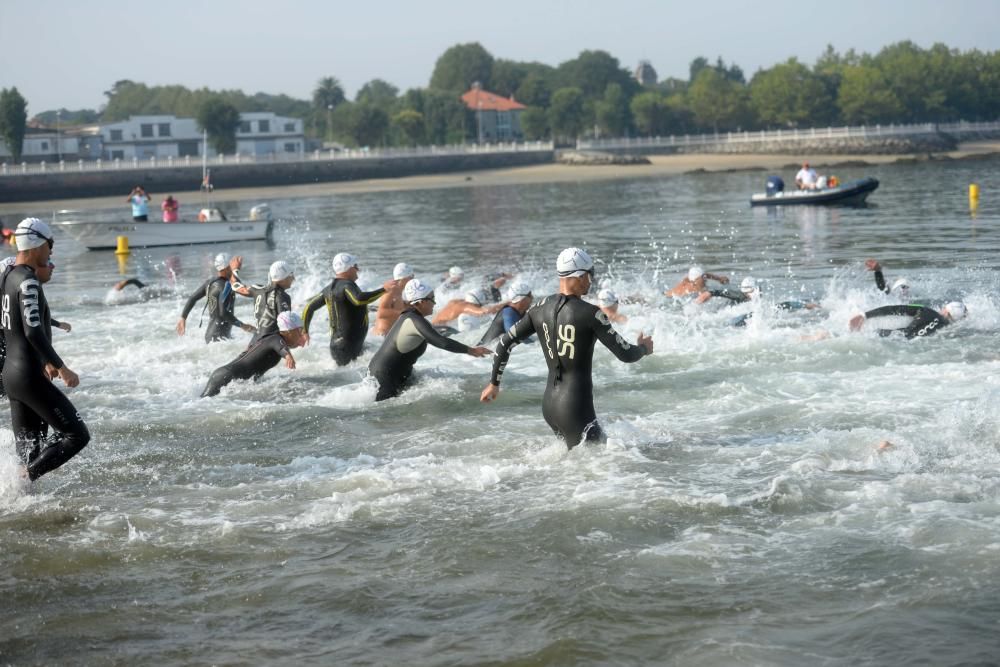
{"x":694,"y":273}
{"x":573,"y":263}
{"x":476,"y":297}
{"x":456,"y":272}
{"x":344,"y":261}
{"x":901,"y":284}
{"x":279,"y":271}
{"x":607,"y":298}
{"x":221,"y":261}
{"x":32,"y":233}
{"x":956,"y":310}
{"x":402,"y":270}
{"x":417,"y":291}
{"x":518,"y":291}
{"x":288,"y":320}
{"x":748,"y":285}
{"x":7,"y":261}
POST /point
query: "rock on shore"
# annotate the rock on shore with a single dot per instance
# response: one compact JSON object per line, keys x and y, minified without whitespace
{"x":595,"y":158}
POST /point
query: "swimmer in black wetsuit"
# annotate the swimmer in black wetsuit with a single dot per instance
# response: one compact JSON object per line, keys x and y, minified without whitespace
{"x":749,"y":291}
{"x":519,"y":300}
{"x":568,"y":327}
{"x":925,"y":321}
{"x":262,"y":355}
{"x":407,"y":341}
{"x":901,"y":287}
{"x":220,"y":300}
{"x":31,"y":364}
{"x":270,"y":299}
{"x":347,"y":309}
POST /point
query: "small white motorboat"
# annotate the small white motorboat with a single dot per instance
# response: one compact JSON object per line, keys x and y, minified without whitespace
{"x":211,"y":227}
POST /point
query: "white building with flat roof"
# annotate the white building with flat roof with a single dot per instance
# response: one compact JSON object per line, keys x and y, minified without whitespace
{"x":260,"y":134}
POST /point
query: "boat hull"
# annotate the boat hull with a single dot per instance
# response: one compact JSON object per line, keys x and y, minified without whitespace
{"x":104,"y":235}
{"x":853,"y":193}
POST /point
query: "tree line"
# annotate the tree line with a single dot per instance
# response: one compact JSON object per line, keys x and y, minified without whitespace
{"x":594,"y":95}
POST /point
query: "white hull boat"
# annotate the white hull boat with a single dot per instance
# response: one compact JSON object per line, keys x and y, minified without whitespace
{"x":215,"y":229}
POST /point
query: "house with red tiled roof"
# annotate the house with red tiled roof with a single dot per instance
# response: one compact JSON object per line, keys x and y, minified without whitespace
{"x":497,"y":118}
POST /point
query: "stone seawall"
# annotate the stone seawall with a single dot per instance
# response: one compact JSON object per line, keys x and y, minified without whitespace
{"x":894,"y":145}
{"x":64,"y":185}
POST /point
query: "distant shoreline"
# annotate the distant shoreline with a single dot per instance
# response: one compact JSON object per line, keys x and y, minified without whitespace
{"x":660,"y":166}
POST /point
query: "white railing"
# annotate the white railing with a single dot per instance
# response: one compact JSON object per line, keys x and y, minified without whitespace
{"x":805,"y":134}
{"x":98,"y":165}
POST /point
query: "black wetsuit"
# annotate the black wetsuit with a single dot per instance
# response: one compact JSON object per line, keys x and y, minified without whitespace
{"x":347,"y":310}
{"x":35,"y":402}
{"x":268,"y":302}
{"x":567,"y":327}
{"x":735,"y":297}
{"x":406,"y":342}
{"x":925,"y":320}
{"x":880,"y":282}
{"x":220,"y":302}
{"x":262,"y":355}
{"x":502,"y":321}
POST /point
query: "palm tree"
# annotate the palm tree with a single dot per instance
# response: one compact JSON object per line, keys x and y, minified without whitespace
{"x":328,"y":93}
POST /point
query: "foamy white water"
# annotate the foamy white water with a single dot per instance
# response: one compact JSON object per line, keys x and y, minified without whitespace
{"x":740,"y":513}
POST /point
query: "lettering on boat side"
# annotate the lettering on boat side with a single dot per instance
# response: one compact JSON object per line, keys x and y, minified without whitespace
{"x":122,"y":228}
{"x":240,"y":228}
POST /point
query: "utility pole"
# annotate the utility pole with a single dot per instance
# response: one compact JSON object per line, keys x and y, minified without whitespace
{"x":59,"y":134}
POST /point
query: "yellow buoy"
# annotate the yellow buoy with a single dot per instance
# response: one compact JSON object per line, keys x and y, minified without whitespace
{"x":122,"y":246}
{"x":122,"y":264}
{"x":973,"y":192}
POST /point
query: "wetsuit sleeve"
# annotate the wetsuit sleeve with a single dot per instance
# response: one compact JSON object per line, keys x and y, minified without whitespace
{"x":430,"y":334}
{"x":522,"y":330}
{"x":897,"y":309}
{"x":279,"y":345}
{"x":54,"y":322}
{"x":613,"y":340}
{"x":737,"y":297}
{"x":880,"y":281}
{"x":310,"y":310}
{"x":193,"y":299}
{"x":510,"y":318}
{"x":359,"y":298}
{"x":36,"y":333}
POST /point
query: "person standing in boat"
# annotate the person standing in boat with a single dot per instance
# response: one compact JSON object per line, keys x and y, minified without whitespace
{"x":170,"y":207}
{"x":139,"y":200}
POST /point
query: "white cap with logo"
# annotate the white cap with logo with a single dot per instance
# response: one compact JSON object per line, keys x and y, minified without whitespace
{"x":573,"y":263}
{"x":288,"y":320}
{"x":221,"y":261}
{"x":518,"y":291}
{"x":456,"y":272}
{"x":694,"y":273}
{"x":476,"y":297}
{"x":956,"y":310}
{"x":32,"y":233}
{"x":901,"y":284}
{"x":402,"y":270}
{"x":279,"y":271}
{"x":416,"y":291}
{"x":344,"y":261}
{"x":606,"y":298}
{"x":748,"y":285}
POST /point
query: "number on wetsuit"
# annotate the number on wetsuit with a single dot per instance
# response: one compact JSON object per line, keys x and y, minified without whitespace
{"x":567,"y":336}
{"x":6,"y":312}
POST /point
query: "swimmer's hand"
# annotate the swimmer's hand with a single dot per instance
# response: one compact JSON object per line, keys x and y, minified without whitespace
{"x":873,"y":265}
{"x":65,"y":326}
{"x":490,"y":393}
{"x":856,"y":322}
{"x":480,"y":351}
{"x":703,"y":297}
{"x":646,"y":342}
{"x":50,"y":372}
{"x":181,"y":326}
{"x":290,"y":362}
{"x":236,"y":262}
{"x":249,"y":328}
{"x":70,"y":378}
{"x":724,"y":280}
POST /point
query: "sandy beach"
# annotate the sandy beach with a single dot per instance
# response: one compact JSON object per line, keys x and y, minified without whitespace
{"x":661,"y":165}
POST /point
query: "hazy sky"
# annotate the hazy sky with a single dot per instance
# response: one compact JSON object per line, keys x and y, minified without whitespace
{"x":65,"y":53}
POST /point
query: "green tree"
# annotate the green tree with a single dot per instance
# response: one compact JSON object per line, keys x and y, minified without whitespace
{"x":368,"y":125}
{"x":461,"y":66}
{"x":790,"y":95}
{"x":612,"y":112}
{"x":866,"y":97}
{"x":13,"y":119}
{"x":378,"y":93}
{"x":535,"y":123}
{"x":67,"y":117}
{"x":717,"y":102}
{"x":328,"y":94}
{"x":566,"y":114}
{"x":411,"y":124}
{"x":592,"y":72}
{"x":647,"y":112}
{"x":535,"y":90}
{"x":506,"y":76}
{"x":445,"y":117}
{"x":220,"y":120}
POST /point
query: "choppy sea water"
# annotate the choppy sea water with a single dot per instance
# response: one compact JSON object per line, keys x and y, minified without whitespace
{"x":740,"y":513}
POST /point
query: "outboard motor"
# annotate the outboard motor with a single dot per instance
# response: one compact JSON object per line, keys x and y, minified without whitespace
{"x":774,"y":185}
